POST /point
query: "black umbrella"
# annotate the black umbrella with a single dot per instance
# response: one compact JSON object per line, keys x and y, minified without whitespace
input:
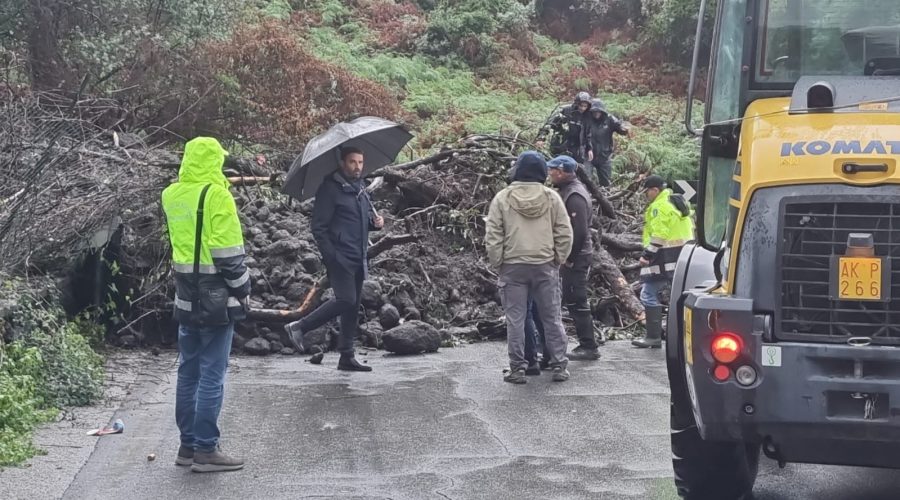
{"x":379,"y":139}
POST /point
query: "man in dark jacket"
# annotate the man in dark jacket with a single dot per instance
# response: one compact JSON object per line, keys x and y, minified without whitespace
{"x":601,"y":128}
{"x":578,"y":264}
{"x":571,"y":127}
{"x":341,"y":221}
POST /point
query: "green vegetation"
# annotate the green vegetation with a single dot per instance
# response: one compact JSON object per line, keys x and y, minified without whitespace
{"x":48,"y":365}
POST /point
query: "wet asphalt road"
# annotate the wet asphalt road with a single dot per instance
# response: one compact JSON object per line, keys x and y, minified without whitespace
{"x":434,"y":426}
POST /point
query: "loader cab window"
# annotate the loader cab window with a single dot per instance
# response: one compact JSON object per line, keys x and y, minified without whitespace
{"x":724,"y":106}
{"x":822,"y":37}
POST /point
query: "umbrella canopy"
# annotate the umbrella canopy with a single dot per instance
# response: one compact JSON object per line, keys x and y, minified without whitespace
{"x":380,"y":140}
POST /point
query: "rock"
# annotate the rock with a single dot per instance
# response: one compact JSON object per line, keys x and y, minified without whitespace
{"x":311,"y":263}
{"x":318,"y":339}
{"x":255,"y":231}
{"x":412,"y":337}
{"x":388,"y":316}
{"x":370,"y":334}
{"x":413,"y":313}
{"x":281,"y":234}
{"x":445,"y":336}
{"x":276,"y":346}
{"x":464,"y":332}
{"x":257,"y":347}
{"x":291,"y":226}
{"x":128,"y":341}
{"x":263,"y":214}
{"x":287,"y":351}
{"x":295,"y":292}
{"x":371,"y":294}
{"x":455,"y":296}
{"x":287,"y":248}
{"x":238,"y":342}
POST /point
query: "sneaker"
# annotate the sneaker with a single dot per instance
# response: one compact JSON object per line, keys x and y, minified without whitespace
{"x":216,"y":461}
{"x":185,"y":456}
{"x":295,"y":335}
{"x":584,"y":354}
{"x":350,"y":364}
{"x":560,"y":374}
{"x":533,"y":369}
{"x":515,"y":377}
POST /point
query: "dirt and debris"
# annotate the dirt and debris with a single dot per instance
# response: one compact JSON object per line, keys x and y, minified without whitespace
{"x":82,"y":204}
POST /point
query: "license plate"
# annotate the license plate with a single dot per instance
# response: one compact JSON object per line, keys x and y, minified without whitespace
{"x":861,"y":278}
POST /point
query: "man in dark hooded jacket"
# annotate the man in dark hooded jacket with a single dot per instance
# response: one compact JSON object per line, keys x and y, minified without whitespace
{"x":601,"y":128}
{"x":571,"y":130}
{"x":341,"y":221}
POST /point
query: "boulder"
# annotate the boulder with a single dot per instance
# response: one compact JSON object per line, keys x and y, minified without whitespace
{"x":464,"y":332}
{"x":276,"y":346}
{"x":311,"y":263}
{"x":281,"y":234}
{"x":388,"y":316}
{"x":371,"y":334}
{"x":371,"y":295}
{"x":287,"y":351}
{"x":413,"y":313}
{"x":412,"y":337}
{"x":318,"y":339}
{"x":257,"y":347}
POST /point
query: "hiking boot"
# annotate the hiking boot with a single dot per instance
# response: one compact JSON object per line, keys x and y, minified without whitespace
{"x":216,"y":461}
{"x":350,"y":364}
{"x":653,"y":338}
{"x":185,"y":456}
{"x":533,"y":369}
{"x":295,"y":334}
{"x":560,"y":374}
{"x":584,"y":354}
{"x":515,"y":377}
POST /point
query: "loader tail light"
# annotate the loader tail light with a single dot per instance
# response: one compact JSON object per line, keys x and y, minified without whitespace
{"x":721,"y":373}
{"x":726,"y":347}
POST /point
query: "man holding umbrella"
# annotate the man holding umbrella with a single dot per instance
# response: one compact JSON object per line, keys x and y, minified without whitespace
{"x":342,"y":217}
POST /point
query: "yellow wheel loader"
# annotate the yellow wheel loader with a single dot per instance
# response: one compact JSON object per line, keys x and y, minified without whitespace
{"x":784,"y":328}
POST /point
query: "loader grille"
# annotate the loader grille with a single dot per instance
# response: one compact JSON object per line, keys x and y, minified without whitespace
{"x":810,"y":234}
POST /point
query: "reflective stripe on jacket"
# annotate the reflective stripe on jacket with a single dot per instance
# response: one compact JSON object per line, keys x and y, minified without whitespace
{"x":224,"y":279}
{"x":666,"y":231}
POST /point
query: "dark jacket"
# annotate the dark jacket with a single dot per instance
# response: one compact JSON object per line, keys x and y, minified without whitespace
{"x":341,"y":221}
{"x":571,"y":136}
{"x":600,"y":134}
{"x":580,"y":209}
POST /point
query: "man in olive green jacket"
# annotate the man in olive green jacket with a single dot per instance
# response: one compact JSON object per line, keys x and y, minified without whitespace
{"x":528,"y":236}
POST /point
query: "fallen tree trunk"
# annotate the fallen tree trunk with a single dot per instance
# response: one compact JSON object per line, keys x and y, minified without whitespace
{"x":607,"y":267}
{"x":619,"y":243}
{"x":314,"y":295}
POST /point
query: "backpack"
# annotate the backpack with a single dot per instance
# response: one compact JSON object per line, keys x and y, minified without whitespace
{"x":678,"y":201}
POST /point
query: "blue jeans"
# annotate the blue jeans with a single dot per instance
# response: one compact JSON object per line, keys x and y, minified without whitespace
{"x":201,"y":380}
{"x":534,"y":333}
{"x":650,"y":292}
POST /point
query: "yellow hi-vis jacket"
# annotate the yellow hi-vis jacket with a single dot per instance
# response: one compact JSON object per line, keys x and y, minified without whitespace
{"x":211,"y":297}
{"x":666,"y":230}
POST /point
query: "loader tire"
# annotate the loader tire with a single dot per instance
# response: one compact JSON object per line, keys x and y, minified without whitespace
{"x":707,"y":470}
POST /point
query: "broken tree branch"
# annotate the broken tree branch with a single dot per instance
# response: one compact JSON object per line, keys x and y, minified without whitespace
{"x":621,"y":242}
{"x":607,"y":267}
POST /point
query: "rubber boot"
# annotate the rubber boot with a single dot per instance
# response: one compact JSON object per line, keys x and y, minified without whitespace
{"x":584,"y":327}
{"x":654,"y":329}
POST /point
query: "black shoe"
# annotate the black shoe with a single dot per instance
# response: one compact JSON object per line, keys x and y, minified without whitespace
{"x":533,"y":369}
{"x":350,"y":364}
{"x":584,"y":354}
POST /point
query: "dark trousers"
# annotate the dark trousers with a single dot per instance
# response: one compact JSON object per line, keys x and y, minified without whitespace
{"x":575,"y":297}
{"x":347,"y":286}
{"x":604,"y":172}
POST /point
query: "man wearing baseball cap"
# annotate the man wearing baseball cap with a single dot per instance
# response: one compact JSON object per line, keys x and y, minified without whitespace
{"x":667,"y":227}
{"x":577,"y":267}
